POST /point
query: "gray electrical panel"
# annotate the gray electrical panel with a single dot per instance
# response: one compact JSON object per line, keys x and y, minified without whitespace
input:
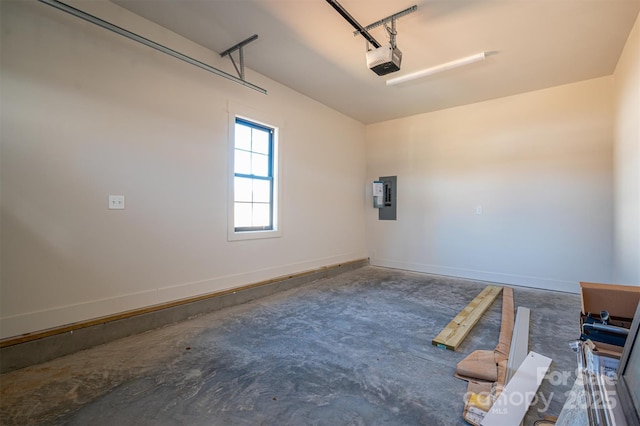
{"x":388,"y":211}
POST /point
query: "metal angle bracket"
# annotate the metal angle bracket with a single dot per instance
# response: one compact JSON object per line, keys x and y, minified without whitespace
{"x":239,"y":47}
{"x":391,"y":18}
{"x":149,"y":43}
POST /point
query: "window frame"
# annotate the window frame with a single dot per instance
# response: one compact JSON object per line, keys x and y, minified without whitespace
{"x":258,"y":120}
{"x":268,"y":177}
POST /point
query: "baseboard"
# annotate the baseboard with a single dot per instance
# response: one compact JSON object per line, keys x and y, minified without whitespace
{"x":37,"y":347}
{"x":494,"y":277}
{"x":25,"y":323}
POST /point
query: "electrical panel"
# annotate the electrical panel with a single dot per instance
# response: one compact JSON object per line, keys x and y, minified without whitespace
{"x":389,"y":198}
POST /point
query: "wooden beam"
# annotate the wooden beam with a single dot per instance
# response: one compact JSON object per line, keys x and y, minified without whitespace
{"x":455,"y":332}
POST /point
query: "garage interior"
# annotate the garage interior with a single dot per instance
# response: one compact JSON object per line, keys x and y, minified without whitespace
{"x":131,"y":290}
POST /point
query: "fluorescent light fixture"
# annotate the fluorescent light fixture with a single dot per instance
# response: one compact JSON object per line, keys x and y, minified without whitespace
{"x":438,"y":68}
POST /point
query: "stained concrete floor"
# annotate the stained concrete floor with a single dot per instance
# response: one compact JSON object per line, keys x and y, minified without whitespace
{"x":350,"y":350}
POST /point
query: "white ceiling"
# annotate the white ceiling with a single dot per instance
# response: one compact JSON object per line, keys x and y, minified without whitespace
{"x":308,"y":46}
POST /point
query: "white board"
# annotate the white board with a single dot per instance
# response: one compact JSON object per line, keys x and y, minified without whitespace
{"x":519,"y":342}
{"x":514,"y":401}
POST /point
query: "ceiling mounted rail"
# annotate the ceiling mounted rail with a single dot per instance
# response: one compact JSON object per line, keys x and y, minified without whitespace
{"x":133,"y":36}
{"x":350,"y":19}
{"x":239,"y":47}
{"x":391,"y":18}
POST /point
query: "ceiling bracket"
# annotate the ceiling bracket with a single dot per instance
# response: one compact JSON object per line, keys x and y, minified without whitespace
{"x":149,"y":43}
{"x":392,"y":32}
{"x":238,"y":47}
{"x":390,"y":18}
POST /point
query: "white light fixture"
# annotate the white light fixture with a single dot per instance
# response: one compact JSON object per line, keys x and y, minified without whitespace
{"x":438,"y":68}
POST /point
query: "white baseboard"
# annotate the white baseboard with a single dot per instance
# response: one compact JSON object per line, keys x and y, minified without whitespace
{"x":30,"y":322}
{"x":490,"y":276}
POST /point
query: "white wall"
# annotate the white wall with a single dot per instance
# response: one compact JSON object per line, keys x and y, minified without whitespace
{"x":627,"y":161}
{"x":539,"y":164}
{"x":87,"y":113}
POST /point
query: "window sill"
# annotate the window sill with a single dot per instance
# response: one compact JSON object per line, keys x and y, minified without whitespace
{"x":253,"y":235}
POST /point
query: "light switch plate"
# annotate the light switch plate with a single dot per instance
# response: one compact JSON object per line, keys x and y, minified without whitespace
{"x":116,"y":202}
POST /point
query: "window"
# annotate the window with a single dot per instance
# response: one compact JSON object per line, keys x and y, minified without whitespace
{"x":253,"y":177}
{"x":253,"y":173}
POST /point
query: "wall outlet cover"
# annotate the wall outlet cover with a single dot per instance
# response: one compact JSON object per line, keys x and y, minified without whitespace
{"x":116,"y":202}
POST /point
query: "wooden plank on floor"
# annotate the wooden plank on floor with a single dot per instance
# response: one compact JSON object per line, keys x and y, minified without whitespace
{"x":455,"y":332}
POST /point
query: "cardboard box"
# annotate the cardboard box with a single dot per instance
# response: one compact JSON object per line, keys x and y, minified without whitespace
{"x":601,"y":363}
{"x":605,"y":349}
{"x":619,"y":300}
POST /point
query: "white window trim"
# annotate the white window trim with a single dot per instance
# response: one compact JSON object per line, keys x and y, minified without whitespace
{"x":236,"y":110}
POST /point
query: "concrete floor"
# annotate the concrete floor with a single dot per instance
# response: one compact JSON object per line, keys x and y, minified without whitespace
{"x":350,"y":350}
